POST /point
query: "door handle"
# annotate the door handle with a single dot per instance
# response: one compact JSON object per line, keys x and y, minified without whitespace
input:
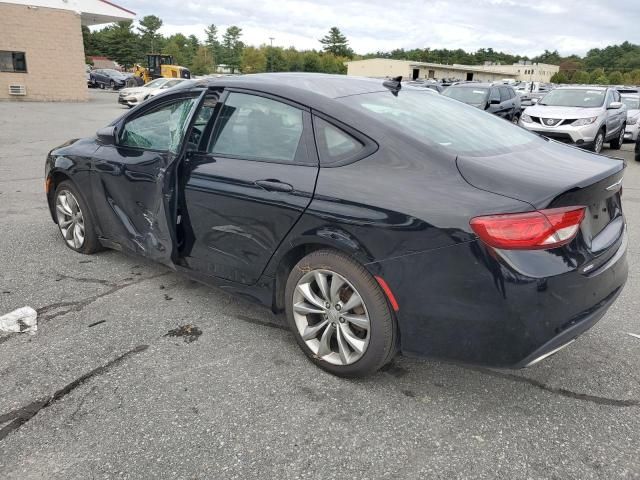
{"x":272,"y":185}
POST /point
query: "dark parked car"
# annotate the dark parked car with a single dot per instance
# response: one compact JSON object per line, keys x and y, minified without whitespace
{"x":107,"y":77}
{"x":380,"y":219}
{"x":501,"y":100}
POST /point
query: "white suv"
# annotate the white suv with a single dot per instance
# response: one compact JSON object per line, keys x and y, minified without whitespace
{"x":584,"y":116}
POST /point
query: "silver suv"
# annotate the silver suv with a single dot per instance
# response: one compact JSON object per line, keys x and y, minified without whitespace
{"x":581,"y":115}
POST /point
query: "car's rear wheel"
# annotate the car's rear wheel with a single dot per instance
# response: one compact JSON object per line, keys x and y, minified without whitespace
{"x":339,"y":314}
{"x":75,"y":221}
{"x":617,"y":143}
{"x":598,"y":142}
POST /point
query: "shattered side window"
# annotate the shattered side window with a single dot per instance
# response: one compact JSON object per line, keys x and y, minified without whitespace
{"x":159,"y":129}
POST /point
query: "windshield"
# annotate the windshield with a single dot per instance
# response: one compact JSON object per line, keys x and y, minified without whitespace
{"x":440,"y":121}
{"x":470,"y":95}
{"x":632,"y":103}
{"x":156,"y":83}
{"x":579,"y":97}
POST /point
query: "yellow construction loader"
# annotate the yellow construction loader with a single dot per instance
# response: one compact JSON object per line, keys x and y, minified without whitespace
{"x":159,"y":66}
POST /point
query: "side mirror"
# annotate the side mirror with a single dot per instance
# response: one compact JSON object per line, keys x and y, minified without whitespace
{"x":107,"y":135}
{"x":615,"y":105}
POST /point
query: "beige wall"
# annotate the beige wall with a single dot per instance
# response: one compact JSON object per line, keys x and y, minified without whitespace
{"x":52,"y":42}
{"x":540,"y":72}
{"x":379,"y":67}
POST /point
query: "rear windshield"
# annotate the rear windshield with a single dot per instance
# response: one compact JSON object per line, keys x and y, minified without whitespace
{"x":440,"y":121}
{"x":470,"y":95}
{"x":579,"y":97}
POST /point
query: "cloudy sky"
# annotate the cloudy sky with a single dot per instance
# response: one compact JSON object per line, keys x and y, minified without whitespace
{"x":517,"y":26}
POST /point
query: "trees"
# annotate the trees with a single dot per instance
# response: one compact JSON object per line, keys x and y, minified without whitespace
{"x":120,"y":43}
{"x":202,"y":63}
{"x":615,"y":78}
{"x":559,"y":77}
{"x":212,"y":43}
{"x":232,"y":48}
{"x":254,"y":60}
{"x":581,"y":77}
{"x":150,"y":40}
{"x":336,"y":43}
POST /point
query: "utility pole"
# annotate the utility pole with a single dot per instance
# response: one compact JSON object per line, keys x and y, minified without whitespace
{"x":271,"y":53}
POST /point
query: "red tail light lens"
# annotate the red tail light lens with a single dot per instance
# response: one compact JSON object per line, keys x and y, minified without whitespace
{"x":541,"y":229}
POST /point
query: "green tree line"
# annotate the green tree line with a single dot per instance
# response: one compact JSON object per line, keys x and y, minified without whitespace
{"x":128,"y":44}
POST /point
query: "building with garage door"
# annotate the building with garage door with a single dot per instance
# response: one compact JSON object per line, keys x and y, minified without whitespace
{"x":41,"y":48}
{"x":386,"y":67}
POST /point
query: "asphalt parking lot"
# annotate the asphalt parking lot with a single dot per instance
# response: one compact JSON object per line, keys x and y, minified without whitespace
{"x":111,"y":387}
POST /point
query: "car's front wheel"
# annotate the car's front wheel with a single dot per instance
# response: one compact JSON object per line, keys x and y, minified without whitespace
{"x":339,"y":314}
{"x":617,"y":143}
{"x":112,"y":85}
{"x":598,"y":142}
{"x":75,"y":221}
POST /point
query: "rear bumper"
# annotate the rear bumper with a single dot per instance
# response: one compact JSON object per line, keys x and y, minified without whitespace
{"x":465,"y":304}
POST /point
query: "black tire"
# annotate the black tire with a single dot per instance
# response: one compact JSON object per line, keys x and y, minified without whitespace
{"x":515,"y":119}
{"x":102,"y":86}
{"x":619,"y":140}
{"x":91,"y":243}
{"x":598,"y":141}
{"x":382,"y":344}
{"x":112,"y":85}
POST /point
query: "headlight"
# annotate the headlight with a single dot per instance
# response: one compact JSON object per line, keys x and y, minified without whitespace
{"x":526,"y":118}
{"x":581,"y":122}
{"x":632,"y":120}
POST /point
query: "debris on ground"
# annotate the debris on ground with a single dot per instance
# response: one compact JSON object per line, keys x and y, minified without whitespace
{"x":190,"y":333}
{"x":22,"y":320}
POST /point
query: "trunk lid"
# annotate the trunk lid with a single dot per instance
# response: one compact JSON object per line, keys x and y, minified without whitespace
{"x":555,"y":175}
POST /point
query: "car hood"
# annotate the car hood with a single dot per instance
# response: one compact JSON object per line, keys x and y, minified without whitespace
{"x":545,"y":111}
{"x":633,"y":113}
{"x":135,"y":90}
{"x":537,"y":175}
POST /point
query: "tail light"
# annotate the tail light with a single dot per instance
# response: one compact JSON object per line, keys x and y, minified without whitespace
{"x":537,"y":230}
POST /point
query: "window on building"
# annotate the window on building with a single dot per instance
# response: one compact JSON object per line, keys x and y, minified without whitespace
{"x":12,"y":61}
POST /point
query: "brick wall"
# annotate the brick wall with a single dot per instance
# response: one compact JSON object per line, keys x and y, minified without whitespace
{"x":52,"y":42}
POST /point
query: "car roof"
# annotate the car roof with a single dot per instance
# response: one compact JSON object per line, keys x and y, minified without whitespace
{"x":299,"y":84}
{"x":630,"y":95}
{"x":582,"y":87}
{"x":478,"y":84}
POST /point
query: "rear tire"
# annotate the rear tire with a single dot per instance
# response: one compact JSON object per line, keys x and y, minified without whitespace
{"x":75,"y":220}
{"x":344,"y":337}
{"x":598,"y":142}
{"x":617,"y":143}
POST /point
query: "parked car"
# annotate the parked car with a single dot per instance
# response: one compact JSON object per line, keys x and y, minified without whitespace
{"x":584,"y":116}
{"x":623,"y":90}
{"x":500,"y":100}
{"x":632,"y":102}
{"x":378,"y":218}
{"x":107,"y":77}
{"x":132,"y":96}
{"x":87,"y":72}
{"x":531,"y":92}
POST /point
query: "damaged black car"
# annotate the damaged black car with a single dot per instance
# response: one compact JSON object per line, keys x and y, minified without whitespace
{"x":377,"y":218}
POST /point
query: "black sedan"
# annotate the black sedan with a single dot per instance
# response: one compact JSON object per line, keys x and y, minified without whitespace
{"x":380,"y":219}
{"x":107,"y":77}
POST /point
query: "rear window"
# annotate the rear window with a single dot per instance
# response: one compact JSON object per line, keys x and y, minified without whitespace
{"x":442,"y":122}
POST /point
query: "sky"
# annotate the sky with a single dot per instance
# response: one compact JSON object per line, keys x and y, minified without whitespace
{"x":526,"y":27}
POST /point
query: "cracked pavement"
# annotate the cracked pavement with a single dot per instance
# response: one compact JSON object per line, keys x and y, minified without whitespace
{"x":138,"y":372}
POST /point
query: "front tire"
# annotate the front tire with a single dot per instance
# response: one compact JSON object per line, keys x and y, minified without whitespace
{"x":339,"y":315}
{"x":598,"y":142}
{"x":617,"y":143}
{"x":75,"y":220}
{"x":112,"y":85}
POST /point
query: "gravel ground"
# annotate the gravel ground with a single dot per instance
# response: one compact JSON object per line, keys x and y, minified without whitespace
{"x":108,"y":388}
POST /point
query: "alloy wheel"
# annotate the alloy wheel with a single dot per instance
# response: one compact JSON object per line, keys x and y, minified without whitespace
{"x":70,"y":219}
{"x":331,"y":317}
{"x":599,"y":143}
